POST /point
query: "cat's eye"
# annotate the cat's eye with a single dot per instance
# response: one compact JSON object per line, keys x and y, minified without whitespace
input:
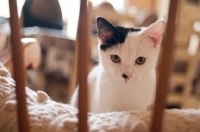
{"x":115,"y":58}
{"x":140,"y":60}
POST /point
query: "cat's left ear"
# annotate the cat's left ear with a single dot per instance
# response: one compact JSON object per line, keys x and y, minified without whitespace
{"x":105,"y":29}
{"x":155,"y":32}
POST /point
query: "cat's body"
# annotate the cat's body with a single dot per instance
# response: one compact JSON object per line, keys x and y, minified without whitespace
{"x":125,"y":78}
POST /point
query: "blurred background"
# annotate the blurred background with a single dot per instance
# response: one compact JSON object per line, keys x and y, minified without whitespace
{"x":54,"y":24}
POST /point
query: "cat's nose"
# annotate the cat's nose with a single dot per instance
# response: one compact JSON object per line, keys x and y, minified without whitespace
{"x":126,"y":76}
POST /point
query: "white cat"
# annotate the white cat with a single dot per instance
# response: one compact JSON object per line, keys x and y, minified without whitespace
{"x":125,"y":78}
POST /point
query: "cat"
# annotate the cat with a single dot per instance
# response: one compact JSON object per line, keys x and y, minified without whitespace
{"x":125,"y":77}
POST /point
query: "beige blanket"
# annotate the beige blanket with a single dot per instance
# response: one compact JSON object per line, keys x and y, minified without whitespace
{"x":46,"y":115}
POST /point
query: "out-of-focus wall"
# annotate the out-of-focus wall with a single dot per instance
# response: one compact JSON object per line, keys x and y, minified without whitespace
{"x":4,"y":7}
{"x":142,"y":4}
{"x":159,"y":6}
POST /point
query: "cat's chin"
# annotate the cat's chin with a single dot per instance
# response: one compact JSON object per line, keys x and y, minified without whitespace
{"x":127,"y":83}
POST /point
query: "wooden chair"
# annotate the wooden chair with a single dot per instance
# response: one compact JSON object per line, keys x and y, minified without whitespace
{"x":83,"y":33}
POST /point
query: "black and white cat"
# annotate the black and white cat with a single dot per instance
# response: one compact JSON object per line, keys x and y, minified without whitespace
{"x":125,"y":78}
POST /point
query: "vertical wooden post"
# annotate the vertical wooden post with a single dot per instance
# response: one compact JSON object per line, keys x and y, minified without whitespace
{"x":73,"y":83}
{"x":18,"y":66}
{"x":83,"y":60}
{"x":165,"y":68}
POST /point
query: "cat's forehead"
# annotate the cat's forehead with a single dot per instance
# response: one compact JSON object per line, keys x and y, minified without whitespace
{"x":135,"y":41}
{"x":133,"y":44}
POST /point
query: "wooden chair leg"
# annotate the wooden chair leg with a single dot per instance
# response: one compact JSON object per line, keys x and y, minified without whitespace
{"x":83,"y":59}
{"x":165,"y":68}
{"x":18,"y":66}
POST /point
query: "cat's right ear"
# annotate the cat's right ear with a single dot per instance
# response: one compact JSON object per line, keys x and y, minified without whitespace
{"x":155,"y":32}
{"x":105,"y":30}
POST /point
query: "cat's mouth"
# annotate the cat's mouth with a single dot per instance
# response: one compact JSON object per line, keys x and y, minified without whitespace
{"x":124,"y":81}
{"x":129,"y":82}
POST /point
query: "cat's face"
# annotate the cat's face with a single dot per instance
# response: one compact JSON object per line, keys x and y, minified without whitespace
{"x":128,"y":54}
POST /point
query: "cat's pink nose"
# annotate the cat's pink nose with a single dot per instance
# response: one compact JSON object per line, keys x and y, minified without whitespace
{"x":126,"y":77}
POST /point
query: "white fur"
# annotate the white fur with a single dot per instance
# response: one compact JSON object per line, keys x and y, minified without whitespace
{"x":108,"y":90}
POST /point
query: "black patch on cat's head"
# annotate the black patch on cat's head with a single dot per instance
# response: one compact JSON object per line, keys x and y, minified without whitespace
{"x":110,"y":35}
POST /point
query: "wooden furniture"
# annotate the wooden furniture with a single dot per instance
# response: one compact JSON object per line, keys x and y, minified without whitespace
{"x":183,"y":78}
{"x":19,"y":71}
{"x":165,"y":69}
{"x":18,"y":66}
{"x":106,"y":10}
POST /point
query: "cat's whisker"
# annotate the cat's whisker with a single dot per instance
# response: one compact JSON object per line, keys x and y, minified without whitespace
{"x":143,"y":93}
{"x":105,"y":84}
{"x":118,"y":34}
{"x":143,"y":90}
{"x":147,"y":84}
{"x":107,"y":80}
{"x":94,"y":60}
{"x":143,"y":83}
{"x":115,"y":39}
